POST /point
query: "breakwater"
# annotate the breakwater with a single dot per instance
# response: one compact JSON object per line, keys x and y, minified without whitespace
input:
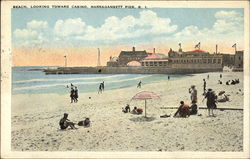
{"x":128,"y":70}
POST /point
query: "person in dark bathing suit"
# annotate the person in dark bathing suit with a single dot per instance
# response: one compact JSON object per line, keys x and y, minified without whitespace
{"x":65,"y":123}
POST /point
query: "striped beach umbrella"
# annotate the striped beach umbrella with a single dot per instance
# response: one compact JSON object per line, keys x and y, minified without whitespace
{"x":144,"y":95}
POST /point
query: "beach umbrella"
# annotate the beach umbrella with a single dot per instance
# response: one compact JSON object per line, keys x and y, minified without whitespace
{"x":144,"y":95}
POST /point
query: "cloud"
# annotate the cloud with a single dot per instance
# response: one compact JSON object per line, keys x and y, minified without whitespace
{"x":228,"y":15}
{"x":36,"y":32}
{"x":228,"y":28}
{"x":37,"y":25}
{"x":148,"y":27}
{"x":69,"y":27}
{"x":25,"y":33}
{"x":130,"y":27}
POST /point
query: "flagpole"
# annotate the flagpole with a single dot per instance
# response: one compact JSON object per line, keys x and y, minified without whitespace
{"x":234,"y":48}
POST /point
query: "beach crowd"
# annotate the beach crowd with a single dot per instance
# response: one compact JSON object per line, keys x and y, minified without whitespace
{"x":183,"y":111}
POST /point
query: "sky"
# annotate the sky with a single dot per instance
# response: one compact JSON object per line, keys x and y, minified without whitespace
{"x":44,"y":36}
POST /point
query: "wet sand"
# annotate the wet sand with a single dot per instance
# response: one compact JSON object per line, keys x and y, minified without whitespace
{"x":35,"y":119}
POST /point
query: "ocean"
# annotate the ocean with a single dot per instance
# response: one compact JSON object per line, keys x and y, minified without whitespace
{"x":25,"y":81}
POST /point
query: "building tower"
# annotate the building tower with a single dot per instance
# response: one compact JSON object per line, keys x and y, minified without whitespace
{"x":99,"y":59}
{"x":180,"y":49}
{"x":133,"y":49}
{"x":65,"y":61}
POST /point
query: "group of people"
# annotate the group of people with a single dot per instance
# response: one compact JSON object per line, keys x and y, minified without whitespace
{"x":233,"y":82}
{"x":73,"y":94}
{"x":101,"y":87}
{"x":64,"y":123}
{"x":134,"y":111}
{"x":185,"y":110}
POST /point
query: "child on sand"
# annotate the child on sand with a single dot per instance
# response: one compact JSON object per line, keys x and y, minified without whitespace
{"x":127,"y":109}
{"x":85,"y":123}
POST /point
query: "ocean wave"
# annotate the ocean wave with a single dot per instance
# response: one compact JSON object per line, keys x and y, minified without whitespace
{"x":68,"y":79}
{"x":78,"y":83}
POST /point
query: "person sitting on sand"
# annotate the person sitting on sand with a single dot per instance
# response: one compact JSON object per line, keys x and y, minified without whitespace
{"x":165,"y":116}
{"x":240,"y":92}
{"x":233,"y":82}
{"x":127,"y":109}
{"x":238,"y":80}
{"x":183,"y":111}
{"x":65,"y":122}
{"x":193,"y":109}
{"x":137,"y":110}
{"x":85,"y":123}
{"x":222,"y":97}
{"x":219,"y":82}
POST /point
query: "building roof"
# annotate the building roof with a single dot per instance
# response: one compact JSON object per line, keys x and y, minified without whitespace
{"x":198,"y":51}
{"x":133,"y":53}
{"x":156,"y":57}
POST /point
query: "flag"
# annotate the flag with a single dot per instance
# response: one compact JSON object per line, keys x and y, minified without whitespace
{"x":198,"y":45}
{"x":234,"y":45}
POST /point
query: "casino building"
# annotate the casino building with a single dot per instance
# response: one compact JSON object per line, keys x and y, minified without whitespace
{"x":195,"y":59}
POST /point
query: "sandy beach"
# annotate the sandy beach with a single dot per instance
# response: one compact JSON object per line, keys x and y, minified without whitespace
{"x":35,"y":118}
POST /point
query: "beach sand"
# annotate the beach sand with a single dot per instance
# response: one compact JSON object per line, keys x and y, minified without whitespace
{"x":35,"y":118}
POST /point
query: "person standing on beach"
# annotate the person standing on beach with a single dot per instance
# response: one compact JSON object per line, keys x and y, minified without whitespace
{"x":168,"y":77}
{"x":220,"y":75}
{"x":193,"y":93}
{"x":211,"y":99}
{"x":139,"y":85}
{"x":71,"y":86}
{"x":100,"y":88}
{"x":72,"y":95}
{"x":204,"y":85}
{"x":76,"y":95}
{"x":207,"y":76}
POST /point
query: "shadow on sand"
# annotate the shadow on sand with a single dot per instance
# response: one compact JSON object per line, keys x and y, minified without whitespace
{"x":142,"y":119}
